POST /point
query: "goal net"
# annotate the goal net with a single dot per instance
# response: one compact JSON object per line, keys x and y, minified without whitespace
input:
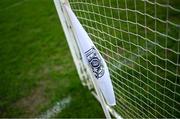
{"x":140,"y":42}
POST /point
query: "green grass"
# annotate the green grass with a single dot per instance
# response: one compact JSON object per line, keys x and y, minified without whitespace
{"x":139,"y":92}
{"x":36,"y":67}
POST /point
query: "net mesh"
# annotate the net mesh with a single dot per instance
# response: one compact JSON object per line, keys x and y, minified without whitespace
{"x":140,"y":41}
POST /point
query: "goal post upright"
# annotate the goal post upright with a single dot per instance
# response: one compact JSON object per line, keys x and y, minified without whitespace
{"x":74,"y":49}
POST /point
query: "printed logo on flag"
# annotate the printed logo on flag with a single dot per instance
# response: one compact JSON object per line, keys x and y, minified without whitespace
{"x":95,"y":62}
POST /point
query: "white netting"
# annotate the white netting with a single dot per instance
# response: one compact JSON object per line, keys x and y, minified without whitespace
{"x":140,"y":41}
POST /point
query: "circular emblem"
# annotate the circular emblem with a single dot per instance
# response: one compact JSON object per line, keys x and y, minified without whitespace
{"x":95,"y":62}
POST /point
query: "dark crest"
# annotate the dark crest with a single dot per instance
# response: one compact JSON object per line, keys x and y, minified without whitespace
{"x":95,"y":62}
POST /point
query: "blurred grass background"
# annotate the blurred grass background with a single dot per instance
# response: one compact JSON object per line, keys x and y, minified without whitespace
{"x":36,"y":67}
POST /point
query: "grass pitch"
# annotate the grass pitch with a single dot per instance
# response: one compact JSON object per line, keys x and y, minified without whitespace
{"x":36,"y":67}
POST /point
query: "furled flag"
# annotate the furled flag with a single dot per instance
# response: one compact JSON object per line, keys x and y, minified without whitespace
{"x":91,"y":55}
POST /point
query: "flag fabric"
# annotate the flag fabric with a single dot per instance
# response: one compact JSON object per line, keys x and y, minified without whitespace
{"x":93,"y":58}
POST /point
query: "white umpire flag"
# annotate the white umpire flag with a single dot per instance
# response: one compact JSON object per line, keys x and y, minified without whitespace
{"x":91,"y":55}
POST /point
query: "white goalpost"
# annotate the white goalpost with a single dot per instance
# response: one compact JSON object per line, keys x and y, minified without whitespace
{"x":137,"y":43}
{"x":83,"y":70}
